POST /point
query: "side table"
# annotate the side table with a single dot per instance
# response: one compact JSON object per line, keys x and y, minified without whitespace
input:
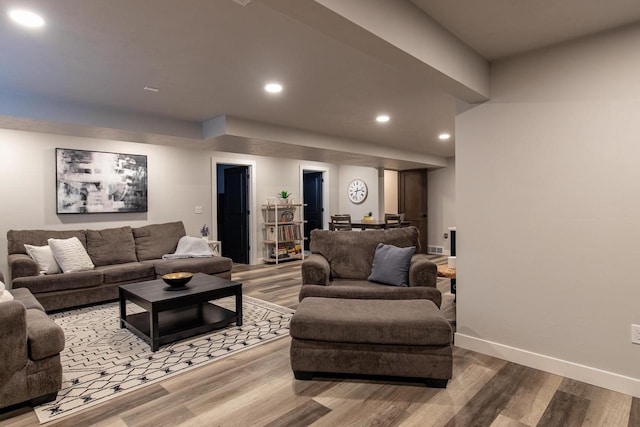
{"x":216,"y":247}
{"x":450,"y":273}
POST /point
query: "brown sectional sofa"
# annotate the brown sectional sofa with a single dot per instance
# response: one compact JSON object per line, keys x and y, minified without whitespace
{"x":30,"y":351}
{"x":120,"y":255}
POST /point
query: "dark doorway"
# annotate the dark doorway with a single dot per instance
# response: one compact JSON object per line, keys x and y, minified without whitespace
{"x":412,"y":201}
{"x":313,"y":211}
{"x":233,"y":211}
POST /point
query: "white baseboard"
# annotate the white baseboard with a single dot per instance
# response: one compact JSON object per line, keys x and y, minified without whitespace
{"x":587,"y":374}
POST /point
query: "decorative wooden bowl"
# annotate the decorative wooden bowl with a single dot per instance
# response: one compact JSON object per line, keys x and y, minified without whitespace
{"x":177,"y":280}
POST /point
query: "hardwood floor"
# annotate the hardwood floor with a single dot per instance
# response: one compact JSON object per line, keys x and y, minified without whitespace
{"x":256,"y":388}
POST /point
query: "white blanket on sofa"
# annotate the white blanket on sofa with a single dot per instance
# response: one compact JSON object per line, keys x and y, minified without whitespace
{"x":190,"y":247}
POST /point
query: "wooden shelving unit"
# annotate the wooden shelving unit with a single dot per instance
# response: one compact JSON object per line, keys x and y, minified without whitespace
{"x":283,"y":238}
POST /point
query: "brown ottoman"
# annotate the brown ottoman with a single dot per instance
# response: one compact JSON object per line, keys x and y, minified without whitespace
{"x":400,"y":338}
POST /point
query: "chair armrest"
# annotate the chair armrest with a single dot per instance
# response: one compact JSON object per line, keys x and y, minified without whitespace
{"x":315,"y":270}
{"x":13,"y":339}
{"x":21,"y":265}
{"x":422,"y":271}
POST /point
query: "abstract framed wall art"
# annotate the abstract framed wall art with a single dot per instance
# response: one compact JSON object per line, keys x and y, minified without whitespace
{"x":100,"y":182}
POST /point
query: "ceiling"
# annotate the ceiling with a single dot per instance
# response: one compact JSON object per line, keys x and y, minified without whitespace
{"x":499,"y":28}
{"x":212,"y":57}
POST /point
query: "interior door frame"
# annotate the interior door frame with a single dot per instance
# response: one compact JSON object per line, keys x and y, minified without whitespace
{"x":325,"y":187}
{"x":251,"y":199}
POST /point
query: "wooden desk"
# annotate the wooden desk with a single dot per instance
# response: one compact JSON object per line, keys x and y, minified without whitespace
{"x":377,"y":224}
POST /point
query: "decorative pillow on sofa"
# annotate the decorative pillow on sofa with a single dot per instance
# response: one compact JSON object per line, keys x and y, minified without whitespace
{"x":391,"y":265}
{"x":111,"y":246}
{"x":43,"y":256}
{"x":70,"y":254}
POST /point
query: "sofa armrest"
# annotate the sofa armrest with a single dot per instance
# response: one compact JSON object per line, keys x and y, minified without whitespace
{"x":315,"y":270}
{"x":422,"y":271}
{"x":21,"y":265}
{"x":45,"y":337}
{"x":13,"y":337}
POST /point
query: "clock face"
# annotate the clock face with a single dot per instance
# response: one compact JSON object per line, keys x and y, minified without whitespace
{"x":357,"y":191}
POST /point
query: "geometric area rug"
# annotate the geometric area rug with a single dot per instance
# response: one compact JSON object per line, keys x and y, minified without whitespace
{"x":100,"y":361}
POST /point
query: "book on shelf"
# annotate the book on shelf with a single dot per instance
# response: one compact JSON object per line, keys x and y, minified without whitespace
{"x":285,"y":233}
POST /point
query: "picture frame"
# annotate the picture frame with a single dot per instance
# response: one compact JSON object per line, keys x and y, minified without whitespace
{"x":100,"y":182}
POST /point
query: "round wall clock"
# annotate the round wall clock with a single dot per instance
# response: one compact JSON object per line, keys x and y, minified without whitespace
{"x":357,"y":191}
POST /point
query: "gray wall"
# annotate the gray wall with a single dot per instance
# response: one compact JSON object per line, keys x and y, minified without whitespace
{"x":441,"y":184}
{"x":548,"y":212}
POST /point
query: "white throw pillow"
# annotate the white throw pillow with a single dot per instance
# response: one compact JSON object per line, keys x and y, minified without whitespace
{"x":43,"y":256}
{"x":70,"y":254}
{"x":4,"y":295}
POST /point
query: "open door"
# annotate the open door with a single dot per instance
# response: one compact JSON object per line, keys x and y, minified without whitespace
{"x":233,"y":212}
{"x":313,"y":211}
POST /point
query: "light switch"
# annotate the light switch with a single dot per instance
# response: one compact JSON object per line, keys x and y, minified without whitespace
{"x":198,"y":209}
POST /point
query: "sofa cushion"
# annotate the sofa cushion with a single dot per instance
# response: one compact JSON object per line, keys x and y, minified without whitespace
{"x":26,"y":297}
{"x":128,"y":272}
{"x":111,"y":246}
{"x":153,"y":241}
{"x":59,"y":282}
{"x":16,"y":239}
{"x":391,"y":265}
{"x":394,"y":322}
{"x":212,"y":265}
{"x":43,"y":256}
{"x":71,"y":255}
{"x":350,"y":253}
{"x":363,"y":289}
{"x":45,"y":337}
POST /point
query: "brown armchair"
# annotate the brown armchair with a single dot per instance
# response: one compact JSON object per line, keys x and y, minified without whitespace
{"x":340,"y":264}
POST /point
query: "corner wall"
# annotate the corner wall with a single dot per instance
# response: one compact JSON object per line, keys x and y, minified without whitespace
{"x":548,"y":208}
{"x":441,"y":184}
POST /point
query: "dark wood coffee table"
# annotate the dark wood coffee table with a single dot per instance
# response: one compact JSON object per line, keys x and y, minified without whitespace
{"x":172,"y":315}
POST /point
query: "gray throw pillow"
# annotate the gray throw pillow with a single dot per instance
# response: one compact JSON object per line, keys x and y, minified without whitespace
{"x":391,"y":265}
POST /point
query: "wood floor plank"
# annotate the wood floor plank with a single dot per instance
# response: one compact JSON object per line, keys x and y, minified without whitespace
{"x":634,"y":415}
{"x":607,"y":407}
{"x":504,"y":421}
{"x":529,"y":403}
{"x":565,"y":410}
{"x":303,"y":415}
{"x":487,"y":404}
{"x":466,"y":383}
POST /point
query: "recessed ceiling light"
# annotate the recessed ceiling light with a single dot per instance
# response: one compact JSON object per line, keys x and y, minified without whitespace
{"x":444,"y":136}
{"x":26,"y":18}
{"x":382,"y":118}
{"x":273,"y":87}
